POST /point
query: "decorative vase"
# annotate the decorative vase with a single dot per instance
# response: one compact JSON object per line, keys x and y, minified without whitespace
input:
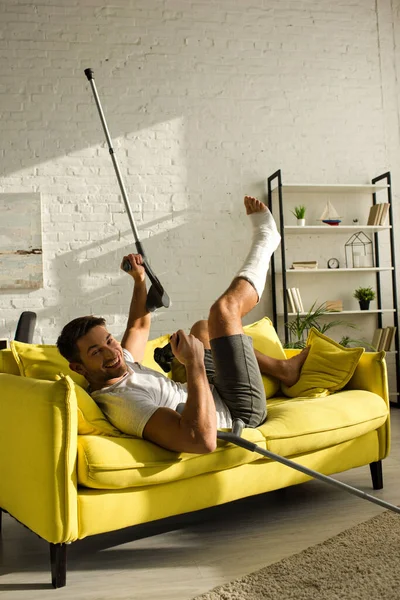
{"x":364,"y":304}
{"x":301,"y":222}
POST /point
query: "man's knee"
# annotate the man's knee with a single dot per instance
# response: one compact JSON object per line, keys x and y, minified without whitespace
{"x":200,"y":328}
{"x":224,"y":309}
{"x":200,"y":331}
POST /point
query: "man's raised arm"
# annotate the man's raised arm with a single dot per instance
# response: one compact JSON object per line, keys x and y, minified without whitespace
{"x":138,"y":327}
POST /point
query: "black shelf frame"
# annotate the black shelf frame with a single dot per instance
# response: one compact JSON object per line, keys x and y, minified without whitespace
{"x":274,"y":182}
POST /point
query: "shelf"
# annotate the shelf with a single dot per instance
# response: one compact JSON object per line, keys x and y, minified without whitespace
{"x":352,"y":270}
{"x":312,"y":242}
{"x":346,"y":312}
{"x":334,"y":188}
{"x":334,"y":228}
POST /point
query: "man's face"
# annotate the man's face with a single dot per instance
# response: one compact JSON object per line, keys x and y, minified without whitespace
{"x":102,"y":362}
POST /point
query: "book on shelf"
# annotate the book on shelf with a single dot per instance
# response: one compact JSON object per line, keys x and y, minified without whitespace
{"x":297,"y":299}
{"x":385,"y":211}
{"x":378,"y":214}
{"x":373,"y":215}
{"x":300,"y":300}
{"x":334,"y":305}
{"x":376,"y":338}
{"x":292,"y":306}
{"x":304,"y":265}
{"x":383,"y":338}
{"x":390,"y":338}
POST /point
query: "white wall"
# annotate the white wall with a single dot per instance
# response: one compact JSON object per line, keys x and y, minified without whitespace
{"x":203,"y":99}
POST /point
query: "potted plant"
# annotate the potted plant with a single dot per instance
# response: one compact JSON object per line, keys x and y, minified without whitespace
{"x":364,"y":296}
{"x":299,"y":212}
{"x":301,"y":324}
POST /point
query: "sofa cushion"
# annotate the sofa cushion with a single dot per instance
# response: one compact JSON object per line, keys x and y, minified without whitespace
{"x":43,"y":361}
{"x":293,"y":427}
{"x":327,"y":369}
{"x":115,"y":463}
{"x":91,"y":420}
{"x":265,"y":340}
{"x":305,"y":425}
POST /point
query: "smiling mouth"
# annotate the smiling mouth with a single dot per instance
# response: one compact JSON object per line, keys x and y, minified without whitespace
{"x":114,"y":364}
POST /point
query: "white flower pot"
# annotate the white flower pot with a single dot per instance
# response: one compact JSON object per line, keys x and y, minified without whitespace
{"x":301,"y":222}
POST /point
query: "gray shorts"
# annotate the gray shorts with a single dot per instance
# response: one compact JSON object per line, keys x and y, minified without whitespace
{"x":232,"y":367}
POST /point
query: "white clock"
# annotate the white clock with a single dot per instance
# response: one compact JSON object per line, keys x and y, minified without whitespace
{"x":333,"y":263}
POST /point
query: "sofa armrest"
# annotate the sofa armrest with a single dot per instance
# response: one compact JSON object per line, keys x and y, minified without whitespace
{"x":38,"y":450}
{"x":371,"y":375}
{"x":8,"y":364}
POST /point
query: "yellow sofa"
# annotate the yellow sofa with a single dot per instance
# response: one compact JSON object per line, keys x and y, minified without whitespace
{"x":67,"y":473}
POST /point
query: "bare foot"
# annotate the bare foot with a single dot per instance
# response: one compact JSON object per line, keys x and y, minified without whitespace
{"x":253,"y":205}
{"x":265,"y":231}
{"x":292,"y":367}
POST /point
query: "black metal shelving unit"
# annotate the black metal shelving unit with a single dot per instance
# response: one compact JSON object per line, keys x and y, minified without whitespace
{"x":275,"y":188}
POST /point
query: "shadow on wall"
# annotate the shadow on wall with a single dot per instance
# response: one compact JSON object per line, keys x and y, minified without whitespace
{"x":89,"y":280}
{"x":194,"y":109}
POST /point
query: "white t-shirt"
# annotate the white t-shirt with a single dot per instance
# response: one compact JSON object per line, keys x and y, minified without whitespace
{"x":129,"y":403}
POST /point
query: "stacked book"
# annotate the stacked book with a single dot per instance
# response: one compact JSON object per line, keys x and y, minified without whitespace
{"x":295,"y":302}
{"x":383,"y":338}
{"x":334,"y":305}
{"x":378,"y":214}
{"x":305,"y":265}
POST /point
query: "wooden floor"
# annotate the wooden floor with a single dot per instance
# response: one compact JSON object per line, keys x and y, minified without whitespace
{"x":180,"y":558}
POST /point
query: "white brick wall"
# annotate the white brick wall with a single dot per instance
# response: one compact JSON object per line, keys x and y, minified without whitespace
{"x":204,"y":99}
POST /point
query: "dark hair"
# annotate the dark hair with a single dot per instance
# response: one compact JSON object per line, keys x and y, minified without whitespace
{"x":72,"y":332}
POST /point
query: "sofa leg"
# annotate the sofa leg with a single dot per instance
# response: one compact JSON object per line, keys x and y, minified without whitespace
{"x":58,"y":559}
{"x":377,"y":475}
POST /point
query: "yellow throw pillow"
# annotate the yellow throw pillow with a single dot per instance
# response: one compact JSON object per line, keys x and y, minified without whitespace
{"x":42,"y":361}
{"x":266,"y":341}
{"x":327,"y":369}
{"x":91,"y":420}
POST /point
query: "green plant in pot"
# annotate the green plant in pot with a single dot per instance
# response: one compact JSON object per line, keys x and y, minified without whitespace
{"x":301,"y":324}
{"x":299,"y":212}
{"x":364,"y":296}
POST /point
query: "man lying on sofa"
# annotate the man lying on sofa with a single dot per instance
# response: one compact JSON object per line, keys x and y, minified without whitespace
{"x":142,"y":402}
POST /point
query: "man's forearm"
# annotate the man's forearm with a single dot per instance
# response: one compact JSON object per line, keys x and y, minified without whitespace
{"x":139,"y":316}
{"x":199,"y":418}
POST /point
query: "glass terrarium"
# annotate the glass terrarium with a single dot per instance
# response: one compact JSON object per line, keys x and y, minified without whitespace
{"x":359,"y":251}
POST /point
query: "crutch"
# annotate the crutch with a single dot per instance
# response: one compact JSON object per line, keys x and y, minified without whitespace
{"x":156,"y":296}
{"x":234,"y":437}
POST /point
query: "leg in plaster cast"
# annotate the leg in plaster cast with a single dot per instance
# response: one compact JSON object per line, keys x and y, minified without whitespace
{"x":242,"y":295}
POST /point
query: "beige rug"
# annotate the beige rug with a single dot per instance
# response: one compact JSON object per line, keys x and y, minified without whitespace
{"x":360,"y":563}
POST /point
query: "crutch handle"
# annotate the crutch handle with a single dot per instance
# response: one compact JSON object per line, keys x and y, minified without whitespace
{"x":156,"y":296}
{"x":89,"y":74}
{"x":126,"y":265}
